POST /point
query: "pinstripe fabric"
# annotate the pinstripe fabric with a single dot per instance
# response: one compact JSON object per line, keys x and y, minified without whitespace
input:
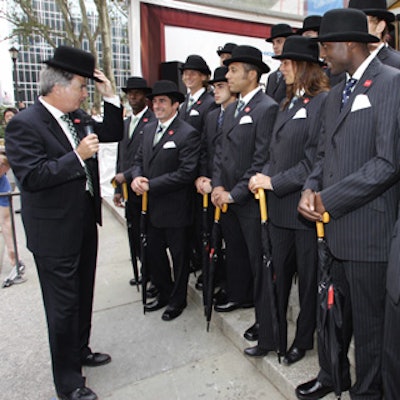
{"x":276,"y":87}
{"x":358,"y":164}
{"x":389,"y":56}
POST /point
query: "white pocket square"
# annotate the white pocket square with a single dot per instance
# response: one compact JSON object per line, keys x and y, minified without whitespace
{"x":360,"y":102}
{"x":302,"y":113}
{"x":246,"y":119}
{"x":169,"y":145}
{"x":194,"y":113}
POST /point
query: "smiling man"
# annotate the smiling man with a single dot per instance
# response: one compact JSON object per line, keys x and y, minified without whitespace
{"x":54,"y":160}
{"x":166,"y":167}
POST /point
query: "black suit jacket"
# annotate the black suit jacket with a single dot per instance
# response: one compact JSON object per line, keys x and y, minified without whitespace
{"x":52,"y":178}
{"x":292,"y":154}
{"x":389,"y":56}
{"x":276,"y":86}
{"x":197,"y":113}
{"x":171,"y":167}
{"x":128,"y":147}
{"x":243,"y":148}
{"x":358,"y":165}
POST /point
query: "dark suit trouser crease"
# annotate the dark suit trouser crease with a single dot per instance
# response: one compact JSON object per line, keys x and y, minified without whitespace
{"x":67,"y":287}
{"x":172,"y":285}
{"x":132,"y":215}
{"x":391,"y":353}
{"x":363,"y":288}
{"x":293,"y":251}
{"x":243,"y":257}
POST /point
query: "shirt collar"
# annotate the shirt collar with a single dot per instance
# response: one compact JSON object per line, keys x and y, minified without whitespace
{"x":197,"y":95}
{"x":250,"y":95}
{"x":166,"y":124}
{"x":55,"y":112}
{"x":361,"y":69}
{"x":140,"y":114}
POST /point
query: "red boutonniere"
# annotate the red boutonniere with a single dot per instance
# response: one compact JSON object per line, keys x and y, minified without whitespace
{"x":170,"y":132}
{"x":367,"y":83}
{"x":306,"y":100}
{"x":145,"y":120}
{"x":198,"y":102}
{"x":247,"y":109}
{"x":77,"y":121}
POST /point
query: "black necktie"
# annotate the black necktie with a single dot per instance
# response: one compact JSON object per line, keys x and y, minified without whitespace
{"x":220,"y":119}
{"x":348,"y":89}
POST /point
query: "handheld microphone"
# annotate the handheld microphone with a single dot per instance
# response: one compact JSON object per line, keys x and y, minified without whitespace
{"x":88,"y":128}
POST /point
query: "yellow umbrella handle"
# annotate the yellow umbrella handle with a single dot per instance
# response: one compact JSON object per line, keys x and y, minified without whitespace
{"x":113,"y":183}
{"x":320,"y":224}
{"x":144,"y":202}
{"x":125,"y":191}
{"x":205,"y":200}
{"x":217,"y":214}
{"x":224,"y":208}
{"x":260,"y":196}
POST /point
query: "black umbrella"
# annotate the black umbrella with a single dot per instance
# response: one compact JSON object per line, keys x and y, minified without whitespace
{"x":143,"y":246}
{"x":329,"y":325}
{"x":206,"y":247}
{"x":267,"y":274}
{"x":215,"y":253}
{"x":135,"y":269}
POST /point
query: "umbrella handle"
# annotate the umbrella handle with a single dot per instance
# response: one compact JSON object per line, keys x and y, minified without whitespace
{"x":224,"y":208}
{"x":113,"y":183}
{"x":320,"y":224}
{"x":125,"y":191}
{"x":144,"y":202}
{"x":260,"y":196}
{"x":205,"y":200}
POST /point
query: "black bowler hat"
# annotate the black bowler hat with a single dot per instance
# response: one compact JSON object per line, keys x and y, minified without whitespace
{"x":280,"y":30}
{"x":345,"y":25}
{"x":73,"y":60}
{"x":228,"y":47}
{"x":375,"y":8}
{"x":300,"y":48}
{"x":310,"y":23}
{"x":196,"y":63}
{"x":219,"y":75}
{"x":249,"y":55}
{"x":136,"y":82}
{"x":165,"y":88}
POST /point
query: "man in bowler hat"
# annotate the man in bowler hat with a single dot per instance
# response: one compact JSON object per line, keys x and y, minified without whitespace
{"x":354,"y":180}
{"x":166,"y":167}
{"x":379,"y":22}
{"x":136,"y":90}
{"x":276,"y":87}
{"x":241,"y":152}
{"x":224,"y":52}
{"x":55,"y":160}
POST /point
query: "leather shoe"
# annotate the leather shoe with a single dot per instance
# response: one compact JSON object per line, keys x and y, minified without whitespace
{"x":96,"y":359}
{"x":312,"y":390}
{"x":152,"y":292}
{"x":231,"y":306}
{"x":171,"y":313}
{"x":293,"y":355}
{"x":251,"y":334}
{"x":83,"y":393}
{"x":255,"y":351}
{"x":199,"y":282}
{"x":133,"y":281}
{"x":155,"y":305}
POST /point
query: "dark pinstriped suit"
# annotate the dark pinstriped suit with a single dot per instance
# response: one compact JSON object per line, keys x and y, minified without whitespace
{"x":391,"y":352}
{"x":276,"y":86}
{"x":241,"y":152}
{"x":127,"y":149}
{"x":389,"y":56}
{"x":291,"y":156}
{"x":356,"y":172}
{"x":171,"y":167}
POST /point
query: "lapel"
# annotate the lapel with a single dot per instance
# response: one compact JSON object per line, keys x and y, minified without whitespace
{"x":168,"y":135}
{"x":286,"y":115}
{"x":197,"y":104}
{"x":362,"y":87}
{"x":247,"y":109}
{"x":140,"y":126}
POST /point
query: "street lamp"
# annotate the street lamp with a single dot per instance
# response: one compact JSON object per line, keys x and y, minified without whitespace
{"x":14,"y":50}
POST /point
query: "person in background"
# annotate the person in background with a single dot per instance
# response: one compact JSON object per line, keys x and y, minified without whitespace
{"x":55,"y":161}
{"x":291,"y":156}
{"x":225,"y":52}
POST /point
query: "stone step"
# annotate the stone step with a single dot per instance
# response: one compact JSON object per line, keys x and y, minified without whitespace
{"x":233,"y":325}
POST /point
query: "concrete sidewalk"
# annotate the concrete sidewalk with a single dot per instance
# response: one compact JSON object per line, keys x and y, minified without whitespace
{"x":152,"y":359}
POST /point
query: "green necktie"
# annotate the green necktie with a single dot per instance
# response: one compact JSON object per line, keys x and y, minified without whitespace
{"x":132,"y":125}
{"x":75,"y":136}
{"x":158,"y":135}
{"x":239,"y":107}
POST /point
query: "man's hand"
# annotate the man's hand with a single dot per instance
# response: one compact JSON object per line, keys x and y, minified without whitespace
{"x":258,"y":181}
{"x":203,"y":185}
{"x":117,"y":199}
{"x":119,"y":178}
{"x":104,"y":87}
{"x":319,"y":205}
{"x":140,"y":185}
{"x":88,"y":146}
{"x":220,"y":196}
{"x":306,"y":206}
